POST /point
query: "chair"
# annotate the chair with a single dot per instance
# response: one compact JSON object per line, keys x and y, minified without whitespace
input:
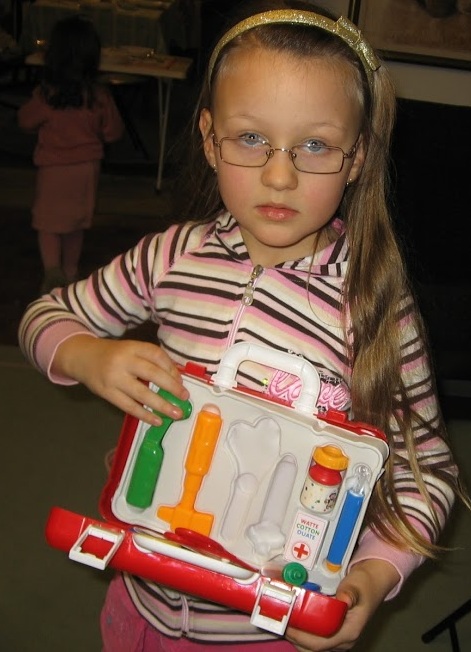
{"x":449,"y":623}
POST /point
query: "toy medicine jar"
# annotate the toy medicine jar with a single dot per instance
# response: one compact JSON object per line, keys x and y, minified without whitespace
{"x":324,"y":479}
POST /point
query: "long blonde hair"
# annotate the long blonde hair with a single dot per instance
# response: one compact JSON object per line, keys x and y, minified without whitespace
{"x":376,"y":283}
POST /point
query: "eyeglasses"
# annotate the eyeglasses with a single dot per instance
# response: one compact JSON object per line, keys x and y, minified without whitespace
{"x":252,"y":151}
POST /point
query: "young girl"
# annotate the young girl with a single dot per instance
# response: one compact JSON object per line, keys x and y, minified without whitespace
{"x":292,"y":248}
{"x":73,"y":116}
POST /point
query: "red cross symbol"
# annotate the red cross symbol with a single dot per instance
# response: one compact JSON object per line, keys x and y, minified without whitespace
{"x":301,"y":551}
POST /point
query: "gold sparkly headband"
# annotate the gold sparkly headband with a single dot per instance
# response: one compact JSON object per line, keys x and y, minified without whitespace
{"x":342,"y":28}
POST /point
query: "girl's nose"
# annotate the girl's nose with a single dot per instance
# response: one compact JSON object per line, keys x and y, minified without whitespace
{"x":279,"y":171}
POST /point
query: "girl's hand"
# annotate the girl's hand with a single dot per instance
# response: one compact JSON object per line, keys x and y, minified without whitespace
{"x":119,"y":371}
{"x":363,"y":589}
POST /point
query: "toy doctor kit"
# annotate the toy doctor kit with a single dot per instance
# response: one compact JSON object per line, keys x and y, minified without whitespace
{"x":245,"y":501}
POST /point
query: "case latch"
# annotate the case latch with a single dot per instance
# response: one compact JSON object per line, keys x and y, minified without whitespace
{"x":96,"y":546}
{"x":275,"y":602}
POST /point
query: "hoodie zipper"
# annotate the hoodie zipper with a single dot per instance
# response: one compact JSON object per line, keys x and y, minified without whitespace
{"x":247,"y":300}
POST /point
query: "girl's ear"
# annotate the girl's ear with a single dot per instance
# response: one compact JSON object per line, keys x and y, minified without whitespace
{"x":206,"y":128}
{"x":358,"y":161}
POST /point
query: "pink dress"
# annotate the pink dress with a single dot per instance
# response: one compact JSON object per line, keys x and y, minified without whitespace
{"x":68,"y":155}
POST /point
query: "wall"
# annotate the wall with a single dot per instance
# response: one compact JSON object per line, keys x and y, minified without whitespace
{"x":432,"y":84}
{"x":424,"y":83}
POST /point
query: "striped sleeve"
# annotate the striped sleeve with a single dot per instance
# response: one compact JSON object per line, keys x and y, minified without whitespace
{"x":110,"y":301}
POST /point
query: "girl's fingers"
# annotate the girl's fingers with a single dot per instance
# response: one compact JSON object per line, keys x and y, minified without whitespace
{"x":152,"y":365}
{"x":157,"y":404}
{"x":135,"y":397}
{"x":157,"y":357}
{"x":171,"y":381}
{"x":121,"y":371}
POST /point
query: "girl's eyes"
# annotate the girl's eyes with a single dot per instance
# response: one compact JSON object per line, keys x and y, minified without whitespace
{"x":313,"y":146}
{"x":252,"y":140}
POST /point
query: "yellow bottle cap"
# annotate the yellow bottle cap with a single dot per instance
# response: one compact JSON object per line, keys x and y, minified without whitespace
{"x":331,"y":457}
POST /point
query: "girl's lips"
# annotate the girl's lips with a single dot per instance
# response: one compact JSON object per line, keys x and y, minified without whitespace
{"x":277,"y":212}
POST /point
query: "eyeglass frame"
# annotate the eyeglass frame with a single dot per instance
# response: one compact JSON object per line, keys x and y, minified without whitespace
{"x":292,"y":155}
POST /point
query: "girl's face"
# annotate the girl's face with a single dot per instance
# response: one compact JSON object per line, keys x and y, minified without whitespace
{"x":263,"y":94}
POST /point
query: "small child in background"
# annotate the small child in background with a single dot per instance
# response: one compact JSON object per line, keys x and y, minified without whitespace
{"x":73,"y":116}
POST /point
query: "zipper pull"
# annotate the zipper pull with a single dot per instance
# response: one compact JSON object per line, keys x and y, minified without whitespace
{"x":247,"y":299}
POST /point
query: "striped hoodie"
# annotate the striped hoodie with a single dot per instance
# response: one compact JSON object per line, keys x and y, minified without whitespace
{"x":196,"y":283}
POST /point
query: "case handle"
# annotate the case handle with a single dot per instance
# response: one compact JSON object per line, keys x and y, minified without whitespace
{"x":225,"y":377}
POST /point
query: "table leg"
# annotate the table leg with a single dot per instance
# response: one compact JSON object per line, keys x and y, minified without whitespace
{"x":165,"y":88}
{"x":128,"y":123}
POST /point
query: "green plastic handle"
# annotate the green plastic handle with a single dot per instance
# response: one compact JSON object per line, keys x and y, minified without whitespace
{"x":150,"y":456}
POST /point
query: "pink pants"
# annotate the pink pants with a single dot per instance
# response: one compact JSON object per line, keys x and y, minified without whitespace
{"x":123,"y":629}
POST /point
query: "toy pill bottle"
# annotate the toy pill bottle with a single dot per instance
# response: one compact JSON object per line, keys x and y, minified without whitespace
{"x":323,"y":481}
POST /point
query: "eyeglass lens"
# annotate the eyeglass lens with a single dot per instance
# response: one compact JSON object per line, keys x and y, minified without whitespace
{"x":309,"y":157}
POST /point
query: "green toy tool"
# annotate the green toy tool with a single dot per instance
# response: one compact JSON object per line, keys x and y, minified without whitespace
{"x":150,"y":456}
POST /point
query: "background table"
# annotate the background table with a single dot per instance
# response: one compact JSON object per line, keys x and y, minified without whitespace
{"x":149,"y":23}
{"x":163,"y":68}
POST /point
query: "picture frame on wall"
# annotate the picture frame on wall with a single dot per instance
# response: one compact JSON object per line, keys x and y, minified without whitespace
{"x":433,"y":32}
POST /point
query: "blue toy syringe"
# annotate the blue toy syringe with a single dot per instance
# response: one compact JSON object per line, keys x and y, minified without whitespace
{"x":351,"y":508}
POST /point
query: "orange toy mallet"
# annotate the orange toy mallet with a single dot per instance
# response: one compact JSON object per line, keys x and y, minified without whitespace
{"x":198,"y":461}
